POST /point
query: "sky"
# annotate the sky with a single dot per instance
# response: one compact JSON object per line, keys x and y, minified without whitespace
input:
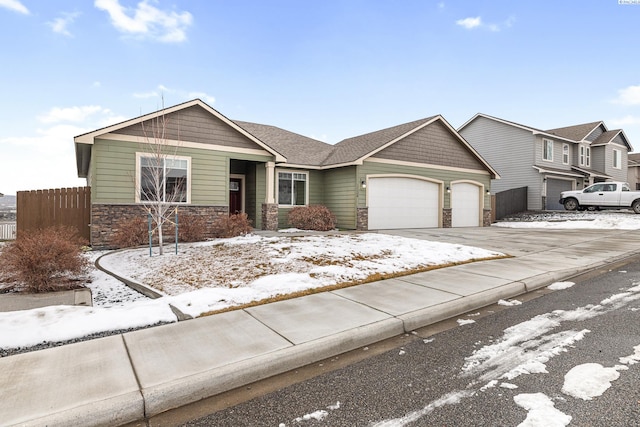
{"x":327,"y":69}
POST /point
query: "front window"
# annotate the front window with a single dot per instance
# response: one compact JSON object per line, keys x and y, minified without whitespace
{"x":565,"y":154}
{"x":547,"y":150}
{"x":292,"y":188}
{"x":163,"y":179}
{"x":587,"y":159}
{"x":617,"y":159}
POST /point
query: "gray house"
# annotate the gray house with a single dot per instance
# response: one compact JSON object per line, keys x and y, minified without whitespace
{"x":417,"y":174}
{"x":633,"y":171}
{"x":548,"y":162}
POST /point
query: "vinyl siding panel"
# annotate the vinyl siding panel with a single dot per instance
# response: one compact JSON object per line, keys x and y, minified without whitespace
{"x":113,"y":176}
{"x":316,"y":194}
{"x":433,"y":144}
{"x":606,"y":152}
{"x":509,"y":150}
{"x":341,"y":193}
{"x":193,"y":124}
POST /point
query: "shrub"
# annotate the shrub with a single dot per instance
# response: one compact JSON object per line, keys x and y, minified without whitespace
{"x":44,"y":260}
{"x":131,"y":232}
{"x":313,"y":217}
{"x":232,"y":225}
{"x":192,"y":228}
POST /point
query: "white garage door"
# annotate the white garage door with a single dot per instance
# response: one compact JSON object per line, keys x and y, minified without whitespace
{"x":465,"y":205}
{"x":403,"y":203}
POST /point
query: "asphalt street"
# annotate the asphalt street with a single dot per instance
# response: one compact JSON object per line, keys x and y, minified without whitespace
{"x":408,"y":384}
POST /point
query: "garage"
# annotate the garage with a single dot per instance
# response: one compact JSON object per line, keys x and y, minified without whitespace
{"x":402,"y":202}
{"x":554,"y":188}
{"x":465,"y":205}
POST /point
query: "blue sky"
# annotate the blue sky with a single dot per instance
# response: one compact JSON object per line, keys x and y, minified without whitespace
{"x":326,"y":69}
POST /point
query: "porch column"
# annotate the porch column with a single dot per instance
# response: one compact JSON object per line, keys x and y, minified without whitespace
{"x":269,"y":207}
{"x":271,"y":168}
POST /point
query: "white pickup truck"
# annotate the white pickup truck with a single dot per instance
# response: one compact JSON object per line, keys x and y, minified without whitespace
{"x":602,"y":195}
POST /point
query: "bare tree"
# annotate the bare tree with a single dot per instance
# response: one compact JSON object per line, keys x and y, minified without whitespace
{"x":162,"y":179}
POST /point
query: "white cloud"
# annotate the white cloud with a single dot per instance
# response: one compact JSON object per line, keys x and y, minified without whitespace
{"x":14,"y":5}
{"x":627,"y":120}
{"x":473,"y":23}
{"x":469,"y":23}
{"x":59,"y":25}
{"x":628,"y":96}
{"x":441,"y":5}
{"x":71,"y":114}
{"x":147,"y":21}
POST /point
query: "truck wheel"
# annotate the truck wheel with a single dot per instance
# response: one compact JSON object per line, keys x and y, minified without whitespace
{"x":572,"y":205}
{"x":636,"y":206}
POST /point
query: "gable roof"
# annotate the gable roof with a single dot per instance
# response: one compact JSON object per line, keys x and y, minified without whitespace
{"x":355,"y":149}
{"x":84,"y":141}
{"x":576,"y":132}
{"x":533,"y":130}
{"x":288,"y":147}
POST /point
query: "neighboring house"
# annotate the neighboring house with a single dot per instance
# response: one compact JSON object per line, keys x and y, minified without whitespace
{"x":548,"y":162}
{"x":418,"y":174}
{"x":633,"y":171}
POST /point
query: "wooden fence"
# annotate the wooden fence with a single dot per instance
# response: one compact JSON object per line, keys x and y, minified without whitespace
{"x":40,"y":209}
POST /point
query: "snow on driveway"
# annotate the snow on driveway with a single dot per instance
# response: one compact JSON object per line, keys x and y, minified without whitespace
{"x":219,"y":274}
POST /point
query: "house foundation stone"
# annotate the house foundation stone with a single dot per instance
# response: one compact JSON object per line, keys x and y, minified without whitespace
{"x":270,"y":216}
{"x":446,"y":218}
{"x":486,"y":218}
{"x":362,"y":219}
{"x":105,"y":220}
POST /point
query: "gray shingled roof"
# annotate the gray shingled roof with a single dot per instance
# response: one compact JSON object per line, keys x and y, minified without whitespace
{"x":576,"y":132}
{"x":301,"y":150}
{"x":352,"y":149}
{"x":298,"y":149}
{"x":606,"y":137}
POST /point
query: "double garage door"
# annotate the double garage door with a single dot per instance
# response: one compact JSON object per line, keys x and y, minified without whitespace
{"x":400,"y":202}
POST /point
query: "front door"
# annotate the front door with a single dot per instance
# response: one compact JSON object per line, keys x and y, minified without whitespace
{"x":235,"y":196}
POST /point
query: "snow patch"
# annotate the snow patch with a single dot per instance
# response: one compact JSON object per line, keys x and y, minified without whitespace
{"x":541,"y":411}
{"x":557,"y":286}
{"x":509,"y":303}
{"x":589,"y":380}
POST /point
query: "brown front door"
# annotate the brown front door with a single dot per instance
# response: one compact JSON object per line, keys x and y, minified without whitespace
{"x":235,"y":196}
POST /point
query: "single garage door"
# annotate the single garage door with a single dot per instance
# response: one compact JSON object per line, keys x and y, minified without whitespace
{"x":465,"y":205}
{"x":554,"y":188}
{"x":403,"y":203}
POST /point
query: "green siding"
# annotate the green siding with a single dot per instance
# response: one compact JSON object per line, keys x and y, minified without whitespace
{"x":341,"y":191}
{"x":316,"y":195}
{"x":113,"y":167}
{"x":370,"y":168}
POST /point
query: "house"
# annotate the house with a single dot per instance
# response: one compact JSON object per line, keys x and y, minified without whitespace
{"x":417,"y":174}
{"x":548,"y":161}
{"x":633,"y":171}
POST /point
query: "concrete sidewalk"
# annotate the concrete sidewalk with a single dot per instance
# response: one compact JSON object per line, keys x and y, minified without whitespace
{"x":127,"y":378}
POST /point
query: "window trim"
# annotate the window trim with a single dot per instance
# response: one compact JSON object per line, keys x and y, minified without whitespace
{"x":137,"y":191}
{"x":587,"y":156}
{"x":306,"y":188}
{"x":547,"y":150}
{"x":566,"y":154}
{"x":617,"y":155}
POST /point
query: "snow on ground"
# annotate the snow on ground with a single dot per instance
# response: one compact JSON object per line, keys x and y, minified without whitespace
{"x":541,"y":411}
{"x":218,"y":274}
{"x":558,"y":286}
{"x":612,"y":220}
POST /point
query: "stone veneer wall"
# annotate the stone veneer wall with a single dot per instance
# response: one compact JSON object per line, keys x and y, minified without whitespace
{"x":486,"y":218}
{"x":446,"y":218}
{"x":362,"y":219}
{"x":270,"y":216}
{"x":105,"y":219}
